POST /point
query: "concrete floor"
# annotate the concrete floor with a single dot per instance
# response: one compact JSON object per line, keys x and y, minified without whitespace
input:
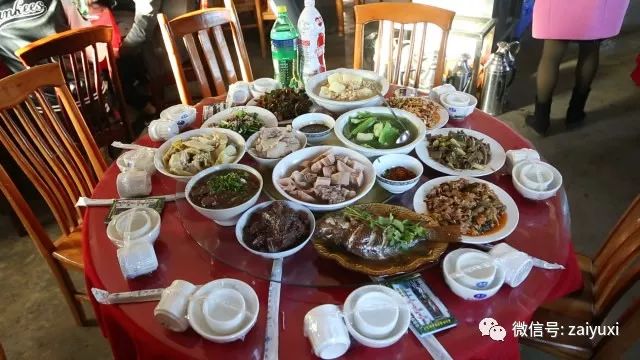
{"x":598,"y":162}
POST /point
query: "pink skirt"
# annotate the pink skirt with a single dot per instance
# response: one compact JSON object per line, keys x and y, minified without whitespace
{"x":578,"y":19}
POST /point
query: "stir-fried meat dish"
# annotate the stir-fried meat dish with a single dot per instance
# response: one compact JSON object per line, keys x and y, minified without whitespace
{"x":424,"y":108}
{"x":473,"y":206}
{"x":276,"y":228}
{"x":458,"y":150}
{"x":327,"y":179}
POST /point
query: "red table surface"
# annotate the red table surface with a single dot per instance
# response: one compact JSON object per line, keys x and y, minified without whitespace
{"x":543,"y":231}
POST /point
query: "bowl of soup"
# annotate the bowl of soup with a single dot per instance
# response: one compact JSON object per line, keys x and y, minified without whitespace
{"x":373,"y":131}
{"x":223,"y":192}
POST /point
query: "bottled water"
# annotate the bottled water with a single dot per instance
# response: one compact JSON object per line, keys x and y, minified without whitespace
{"x":285,"y":51}
{"x":312,"y":38}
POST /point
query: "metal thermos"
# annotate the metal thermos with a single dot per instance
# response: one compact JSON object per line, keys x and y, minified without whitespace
{"x":460,"y":76}
{"x":499,"y":72}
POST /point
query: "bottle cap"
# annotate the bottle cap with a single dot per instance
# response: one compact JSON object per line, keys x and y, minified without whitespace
{"x":309,"y":2}
{"x":281,"y":9}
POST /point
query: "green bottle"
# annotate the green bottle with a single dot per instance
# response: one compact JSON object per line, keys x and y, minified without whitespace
{"x":285,"y":50}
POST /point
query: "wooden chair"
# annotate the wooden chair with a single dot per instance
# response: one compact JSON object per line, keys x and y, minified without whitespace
{"x":408,"y":17}
{"x":36,"y":138}
{"x":202,"y":25}
{"x":78,"y":52}
{"x":607,"y":278}
{"x":261,"y":10}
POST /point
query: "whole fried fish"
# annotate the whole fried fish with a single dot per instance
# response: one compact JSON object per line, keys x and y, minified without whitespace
{"x":360,"y":238}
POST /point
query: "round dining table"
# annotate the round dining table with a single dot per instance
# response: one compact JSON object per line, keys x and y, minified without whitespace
{"x":184,"y":251}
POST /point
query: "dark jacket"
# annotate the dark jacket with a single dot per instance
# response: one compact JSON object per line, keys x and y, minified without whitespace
{"x":25,"y":21}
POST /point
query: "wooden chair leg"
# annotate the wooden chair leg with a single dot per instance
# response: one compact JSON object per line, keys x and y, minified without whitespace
{"x":260,"y":24}
{"x":340,"y":14}
{"x":68,"y":291}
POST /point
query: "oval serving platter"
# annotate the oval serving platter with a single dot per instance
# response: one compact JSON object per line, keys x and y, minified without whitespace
{"x":426,"y":252}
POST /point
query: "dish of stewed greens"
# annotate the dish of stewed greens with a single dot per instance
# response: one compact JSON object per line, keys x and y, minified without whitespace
{"x":224,"y":189}
{"x":458,"y":150}
{"x":376,"y":131}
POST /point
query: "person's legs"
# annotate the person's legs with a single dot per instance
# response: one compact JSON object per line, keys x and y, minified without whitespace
{"x":546,"y":80}
{"x":586,"y":68}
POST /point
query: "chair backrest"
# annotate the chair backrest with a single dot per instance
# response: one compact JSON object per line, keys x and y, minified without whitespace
{"x":616,"y":264}
{"x":616,"y":345}
{"x":79,"y":53}
{"x":411,"y":20}
{"x":37,"y":140}
{"x":197,"y":29}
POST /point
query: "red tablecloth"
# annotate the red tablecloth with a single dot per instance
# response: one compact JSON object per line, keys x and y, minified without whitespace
{"x":543,"y":231}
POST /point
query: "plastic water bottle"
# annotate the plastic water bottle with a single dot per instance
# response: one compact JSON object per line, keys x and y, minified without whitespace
{"x":312,"y":40}
{"x":284,"y":50}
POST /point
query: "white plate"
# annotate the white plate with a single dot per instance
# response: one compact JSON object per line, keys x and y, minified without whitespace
{"x":414,"y":120}
{"x":235,"y":138}
{"x":293,"y":161}
{"x":498,"y":155}
{"x":200,"y":325}
{"x":444,"y":118}
{"x":264,"y":115}
{"x":512,"y":209}
{"x":404,"y":317}
{"x":444,"y":115}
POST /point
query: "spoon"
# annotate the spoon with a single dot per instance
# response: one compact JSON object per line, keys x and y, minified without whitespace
{"x":404,"y":136}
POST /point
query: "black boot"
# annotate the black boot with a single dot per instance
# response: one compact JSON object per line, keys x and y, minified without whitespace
{"x":575,"y":111}
{"x":540,"y":120}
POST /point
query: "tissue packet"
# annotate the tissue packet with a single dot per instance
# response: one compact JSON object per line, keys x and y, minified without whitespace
{"x":428,"y":314}
{"x":121,"y":205}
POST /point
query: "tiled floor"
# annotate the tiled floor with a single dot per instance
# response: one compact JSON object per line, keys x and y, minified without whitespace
{"x":599,"y":163}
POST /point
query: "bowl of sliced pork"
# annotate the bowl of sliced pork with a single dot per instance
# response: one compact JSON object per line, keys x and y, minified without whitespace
{"x":270,"y":145}
{"x":324,"y":178}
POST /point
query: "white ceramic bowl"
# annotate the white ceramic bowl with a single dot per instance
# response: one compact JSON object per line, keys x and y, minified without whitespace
{"x":144,"y":232}
{"x":465,"y":292}
{"x":314,"y":118}
{"x":458,"y":111}
{"x":474,"y":269}
{"x":141,"y":159}
{"x":266,"y":162}
{"x":551,"y":190}
{"x":293,"y":161}
{"x":229,"y":216}
{"x":264,"y":115}
{"x":244,"y":219}
{"x":198,"y":322}
{"x":183,"y":115}
{"x":400,"y":328}
{"x":313,"y":84}
{"x":236,"y":138}
{"x":386,"y":162}
{"x":262,"y":86}
{"x":376,"y":314}
{"x":224,"y":309}
{"x":420,"y":131}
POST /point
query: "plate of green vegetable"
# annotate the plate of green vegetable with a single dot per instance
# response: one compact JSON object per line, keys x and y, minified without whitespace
{"x":245,"y":120}
{"x":373,"y":131}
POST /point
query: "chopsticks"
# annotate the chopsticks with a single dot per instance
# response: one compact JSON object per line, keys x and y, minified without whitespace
{"x":87,"y":202}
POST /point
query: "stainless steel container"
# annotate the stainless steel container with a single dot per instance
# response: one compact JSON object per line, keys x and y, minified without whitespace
{"x":461,"y":75}
{"x":499,"y":72}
